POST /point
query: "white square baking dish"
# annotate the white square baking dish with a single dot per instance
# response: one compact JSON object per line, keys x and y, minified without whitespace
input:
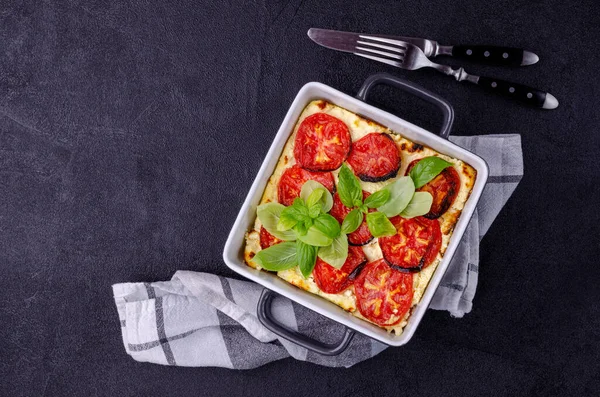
{"x":234,"y":247}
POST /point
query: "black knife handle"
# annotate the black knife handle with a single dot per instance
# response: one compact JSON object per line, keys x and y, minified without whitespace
{"x":494,"y":55}
{"x":519,"y":92}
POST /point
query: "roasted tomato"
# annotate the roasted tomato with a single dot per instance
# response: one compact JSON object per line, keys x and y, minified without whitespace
{"x":294,"y":177}
{"x":332,"y":280}
{"x":375,"y":157}
{"x":443,"y":188}
{"x":360,"y":236}
{"x":383,"y":295}
{"x":322,"y":143}
{"x":415,"y":246}
{"x":267,"y":239}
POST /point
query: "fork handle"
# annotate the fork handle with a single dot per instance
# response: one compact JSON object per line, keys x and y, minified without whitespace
{"x":495,"y":55}
{"x":519,"y":92}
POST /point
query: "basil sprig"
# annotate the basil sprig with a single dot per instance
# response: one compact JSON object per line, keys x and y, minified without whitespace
{"x":306,"y":221}
{"x":397,"y":198}
{"x":426,"y":169}
{"x":389,"y":201}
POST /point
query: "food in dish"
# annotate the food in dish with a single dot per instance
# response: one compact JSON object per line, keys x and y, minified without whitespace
{"x":358,"y":214}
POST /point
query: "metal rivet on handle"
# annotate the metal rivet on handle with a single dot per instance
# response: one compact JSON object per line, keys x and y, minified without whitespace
{"x":469,"y":52}
{"x":505,"y":55}
{"x":511,"y":89}
{"x":486,"y":54}
{"x":529,"y":95}
{"x":494,"y":85}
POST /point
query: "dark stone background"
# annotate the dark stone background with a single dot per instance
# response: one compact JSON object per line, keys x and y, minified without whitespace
{"x":130,"y":132}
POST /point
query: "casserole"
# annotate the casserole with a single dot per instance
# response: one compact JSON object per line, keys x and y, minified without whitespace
{"x":375,"y":159}
{"x":234,"y":255}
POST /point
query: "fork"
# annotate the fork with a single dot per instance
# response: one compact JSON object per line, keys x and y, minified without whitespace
{"x":410,"y":57}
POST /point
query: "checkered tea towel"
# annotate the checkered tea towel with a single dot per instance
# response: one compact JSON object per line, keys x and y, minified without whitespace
{"x":199,"y":319}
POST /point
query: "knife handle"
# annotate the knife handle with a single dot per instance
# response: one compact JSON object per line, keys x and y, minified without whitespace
{"x":494,"y":55}
{"x":519,"y":92}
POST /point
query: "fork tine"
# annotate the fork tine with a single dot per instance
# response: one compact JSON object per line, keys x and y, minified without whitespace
{"x":386,"y":54}
{"x":385,"y":47}
{"x":384,"y":60}
{"x":398,"y":43}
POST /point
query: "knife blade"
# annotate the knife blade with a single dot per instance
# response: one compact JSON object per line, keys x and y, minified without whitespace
{"x":495,"y":55}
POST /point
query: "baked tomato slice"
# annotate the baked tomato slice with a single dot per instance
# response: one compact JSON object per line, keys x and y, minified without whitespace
{"x":332,"y":280}
{"x":339,"y":211}
{"x":375,"y":157}
{"x":443,"y":188}
{"x":383,"y":295}
{"x":414,"y":246}
{"x":322,"y":143}
{"x":267,"y":239}
{"x":293,"y":178}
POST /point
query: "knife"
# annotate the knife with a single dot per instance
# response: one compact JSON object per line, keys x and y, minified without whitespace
{"x":493,"y":55}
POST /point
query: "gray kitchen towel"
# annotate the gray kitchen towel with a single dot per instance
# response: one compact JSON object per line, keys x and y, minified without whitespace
{"x":204,"y":320}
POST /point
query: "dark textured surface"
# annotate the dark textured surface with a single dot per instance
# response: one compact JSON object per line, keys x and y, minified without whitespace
{"x":130,"y":132}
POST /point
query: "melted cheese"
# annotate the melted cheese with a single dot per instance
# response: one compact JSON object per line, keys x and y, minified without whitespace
{"x":359,"y":127}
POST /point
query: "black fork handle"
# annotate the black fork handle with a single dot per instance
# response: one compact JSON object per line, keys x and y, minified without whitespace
{"x":518,"y":92}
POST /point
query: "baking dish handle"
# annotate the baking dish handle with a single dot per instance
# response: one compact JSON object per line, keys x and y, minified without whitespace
{"x":405,"y":85}
{"x":266,"y":318}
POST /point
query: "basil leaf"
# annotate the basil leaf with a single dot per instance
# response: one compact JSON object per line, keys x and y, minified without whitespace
{"x":307,"y":257}
{"x":401,"y":192}
{"x":419,"y":205}
{"x":352,"y":221}
{"x":314,"y":197}
{"x":286,"y":221}
{"x":314,"y":210}
{"x":290,"y":216}
{"x":380,"y":225}
{"x":302,"y":227}
{"x":364,"y":209}
{"x":427,"y":169}
{"x":328,"y":225}
{"x":300,"y":207}
{"x":378,"y":198}
{"x":315,"y":237}
{"x":349,"y":188}
{"x":336,"y":253}
{"x":278,"y":257}
{"x":269,"y":215}
{"x":326,"y":199}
